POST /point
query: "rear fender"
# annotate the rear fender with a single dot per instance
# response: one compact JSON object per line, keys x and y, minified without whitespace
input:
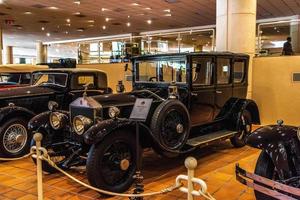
{"x":277,"y":141}
{"x":9,"y":112}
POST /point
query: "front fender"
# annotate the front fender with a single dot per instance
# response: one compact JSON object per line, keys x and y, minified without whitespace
{"x":278,"y":142}
{"x":40,"y":120}
{"x":13,"y":111}
{"x":97,"y":132}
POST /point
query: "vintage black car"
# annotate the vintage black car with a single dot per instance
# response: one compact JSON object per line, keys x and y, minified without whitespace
{"x":19,"y":105}
{"x":198,"y":98}
{"x":277,"y":171}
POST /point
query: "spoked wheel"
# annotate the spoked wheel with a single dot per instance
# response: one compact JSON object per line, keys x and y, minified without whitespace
{"x":111,"y":163}
{"x":171,"y":126}
{"x":245,"y":127}
{"x":15,"y":138}
{"x":57,"y":154}
{"x":265,"y":168}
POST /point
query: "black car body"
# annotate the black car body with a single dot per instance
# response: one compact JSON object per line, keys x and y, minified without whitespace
{"x":19,"y":105}
{"x":279,"y":161}
{"x":198,"y":98}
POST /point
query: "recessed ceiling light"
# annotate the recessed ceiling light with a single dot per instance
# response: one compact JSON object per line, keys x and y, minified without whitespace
{"x":167,"y":10}
{"x":77,"y":13}
{"x":135,"y":4}
{"x":103,"y":27}
{"x":104,"y":9}
{"x":168,"y":15}
{"x":107,"y":19}
{"x":91,"y":25}
{"x":43,"y":28}
{"x":48,"y":34}
{"x":68,"y":20}
{"x":77,"y":2}
{"x":27,"y":13}
{"x":53,"y":8}
{"x":149,"y":21}
{"x":91,"y":21}
{"x":80,"y":29}
{"x":66,"y":32}
{"x":128,"y":16}
{"x":148,"y":8}
{"x":128,"y":24}
{"x":68,"y":24}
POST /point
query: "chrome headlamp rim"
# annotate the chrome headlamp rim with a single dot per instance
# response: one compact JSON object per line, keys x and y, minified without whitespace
{"x":60,"y":120}
{"x":85,"y":124}
{"x":113,"y":112}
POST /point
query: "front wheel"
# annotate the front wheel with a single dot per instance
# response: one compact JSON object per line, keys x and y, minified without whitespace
{"x":244,"y":129}
{"x":14,"y":137}
{"x":265,"y":168}
{"x":111,"y":163}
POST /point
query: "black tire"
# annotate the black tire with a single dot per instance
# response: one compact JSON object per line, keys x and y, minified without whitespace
{"x":265,"y":168}
{"x":103,"y":159}
{"x":170,"y":124}
{"x":46,"y":143}
{"x":244,"y":129}
{"x":10,"y":147}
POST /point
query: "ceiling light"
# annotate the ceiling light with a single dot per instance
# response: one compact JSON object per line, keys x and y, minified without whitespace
{"x":167,"y":10}
{"x":128,"y":24}
{"x":77,"y":2}
{"x":107,"y":19}
{"x":68,"y":24}
{"x":168,"y":15}
{"x":27,"y":13}
{"x":149,"y":21}
{"x":104,"y":9}
{"x":80,"y":29}
{"x":91,"y":21}
{"x":135,"y":4}
{"x":68,"y":20}
{"x":53,"y":8}
{"x":128,"y":16}
{"x":66,"y":32}
{"x":43,"y":28}
{"x":275,"y":28}
{"x":103,"y":27}
{"x":48,"y":34}
{"x":148,"y":8}
{"x":91,"y":25}
{"x":77,"y":13}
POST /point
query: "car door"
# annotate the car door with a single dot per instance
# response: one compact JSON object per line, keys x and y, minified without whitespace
{"x":203,"y":90}
{"x":223,"y":82}
{"x":239,"y":77}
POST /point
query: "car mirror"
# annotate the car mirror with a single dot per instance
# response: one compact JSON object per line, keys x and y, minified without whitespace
{"x":52,"y":105}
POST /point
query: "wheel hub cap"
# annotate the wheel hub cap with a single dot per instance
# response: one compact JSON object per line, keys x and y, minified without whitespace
{"x":14,"y":138}
{"x":179,"y":128}
{"x":124,"y":164}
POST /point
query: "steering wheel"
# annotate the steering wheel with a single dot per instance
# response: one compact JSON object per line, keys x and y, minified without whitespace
{"x":151,"y":78}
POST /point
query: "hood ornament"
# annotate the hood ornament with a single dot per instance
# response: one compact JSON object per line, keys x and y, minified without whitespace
{"x":86,"y":87}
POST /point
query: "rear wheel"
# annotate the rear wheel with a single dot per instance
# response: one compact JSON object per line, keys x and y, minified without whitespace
{"x":14,"y":137}
{"x":245,"y":126}
{"x":111,"y":163}
{"x":265,"y":168}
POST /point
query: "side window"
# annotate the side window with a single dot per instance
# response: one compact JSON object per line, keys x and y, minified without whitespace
{"x":239,"y":71}
{"x":25,"y":78}
{"x":147,"y":71}
{"x":223,"y":71}
{"x":202,"y":71}
{"x":85,"y":79}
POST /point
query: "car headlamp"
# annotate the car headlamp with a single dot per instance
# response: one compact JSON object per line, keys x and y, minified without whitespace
{"x":113,"y":112}
{"x":81,"y":123}
{"x":57,"y":120}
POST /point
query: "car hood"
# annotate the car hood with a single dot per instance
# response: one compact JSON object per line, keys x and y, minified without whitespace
{"x":28,"y":91}
{"x":115,"y":99}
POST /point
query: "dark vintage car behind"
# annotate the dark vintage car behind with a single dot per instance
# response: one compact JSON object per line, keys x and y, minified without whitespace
{"x":198,"y":98}
{"x":19,"y":105}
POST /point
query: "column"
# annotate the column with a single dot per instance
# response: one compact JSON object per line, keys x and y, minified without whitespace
{"x":9,"y":55}
{"x":295,"y":34}
{"x":84,"y":54}
{"x":1,"y":46}
{"x":41,"y":53}
{"x":236,"y":29}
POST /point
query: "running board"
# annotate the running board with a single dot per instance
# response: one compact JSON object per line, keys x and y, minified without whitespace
{"x":211,"y":137}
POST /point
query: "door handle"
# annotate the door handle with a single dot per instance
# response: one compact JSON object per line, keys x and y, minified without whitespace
{"x":194,"y":94}
{"x":219,"y":92}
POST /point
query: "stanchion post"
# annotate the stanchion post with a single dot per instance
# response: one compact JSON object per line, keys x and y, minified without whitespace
{"x":190,"y":163}
{"x":38,"y":138}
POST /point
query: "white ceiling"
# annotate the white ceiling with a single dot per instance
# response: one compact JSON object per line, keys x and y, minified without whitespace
{"x":53,"y":14}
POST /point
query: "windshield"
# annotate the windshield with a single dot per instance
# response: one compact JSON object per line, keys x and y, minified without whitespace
{"x":166,"y":71}
{"x":48,"y":78}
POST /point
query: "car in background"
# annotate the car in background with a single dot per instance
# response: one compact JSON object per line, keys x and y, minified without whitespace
{"x":17,"y":75}
{"x":19,"y":105}
{"x":197,"y":99}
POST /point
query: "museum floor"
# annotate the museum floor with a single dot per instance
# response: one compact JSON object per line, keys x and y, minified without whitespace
{"x":215,"y":165}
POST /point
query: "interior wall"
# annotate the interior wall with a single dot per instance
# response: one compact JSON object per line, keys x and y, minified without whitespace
{"x":115,"y":72}
{"x":273,"y":90}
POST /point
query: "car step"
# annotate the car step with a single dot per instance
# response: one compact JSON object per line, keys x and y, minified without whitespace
{"x":210,"y":137}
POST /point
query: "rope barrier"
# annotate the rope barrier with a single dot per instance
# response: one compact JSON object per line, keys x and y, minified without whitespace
{"x":19,"y":158}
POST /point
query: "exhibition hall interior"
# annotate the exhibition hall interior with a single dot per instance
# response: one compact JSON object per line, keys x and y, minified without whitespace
{"x":149,"y":100}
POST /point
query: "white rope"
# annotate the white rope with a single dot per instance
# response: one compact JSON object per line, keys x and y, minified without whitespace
{"x":19,"y":158}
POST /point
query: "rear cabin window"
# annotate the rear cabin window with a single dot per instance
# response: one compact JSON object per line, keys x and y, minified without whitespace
{"x":223,"y":71}
{"x":239,"y":71}
{"x":85,"y":79}
{"x":202,"y":71}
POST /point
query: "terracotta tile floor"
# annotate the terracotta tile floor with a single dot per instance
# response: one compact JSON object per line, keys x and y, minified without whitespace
{"x":215,"y":165}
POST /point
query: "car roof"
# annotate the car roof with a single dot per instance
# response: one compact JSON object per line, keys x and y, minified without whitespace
{"x":211,"y":53}
{"x":21,"y":68}
{"x":72,"y":70}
